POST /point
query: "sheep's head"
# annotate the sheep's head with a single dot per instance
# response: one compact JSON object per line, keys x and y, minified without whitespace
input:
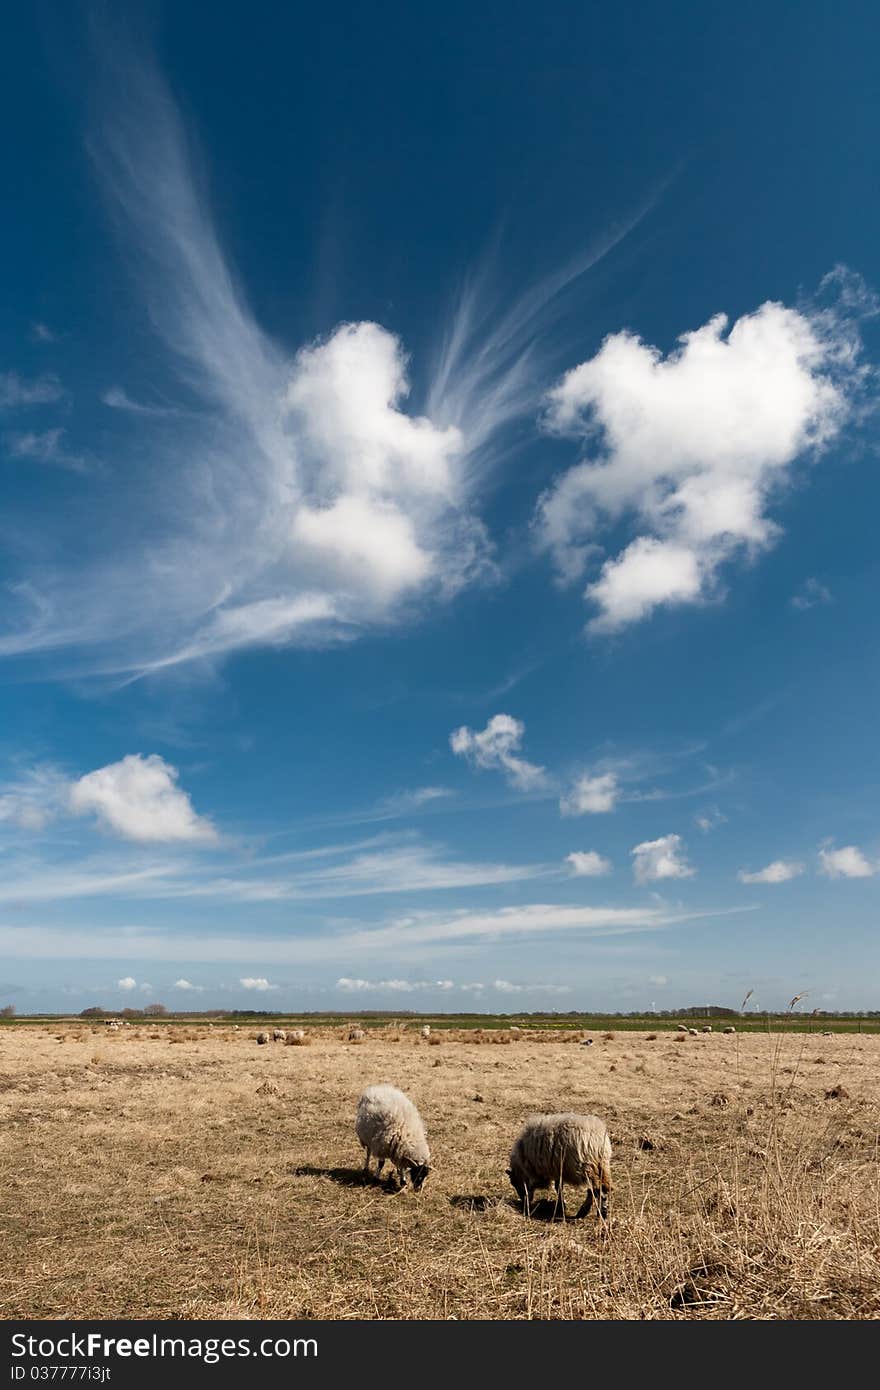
{"x":419,"y":1174}
{"x":518,"y":1180}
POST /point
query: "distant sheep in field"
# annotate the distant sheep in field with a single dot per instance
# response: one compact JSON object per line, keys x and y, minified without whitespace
{"x":390,"y":1127}
{"x":693,"y":1032}
{"x":356,"y":1035}
{"x":295,"y":1038}
{"x":426,"y":1030}
{"x":552,"y":1150}
{"x":682,"y":1028}
{"x":278,"y":1035}
{"x":729,"y":1029}
{"x":586,"y":1042}
{"x":706,"y":1028}
{"x":262,"y":1038}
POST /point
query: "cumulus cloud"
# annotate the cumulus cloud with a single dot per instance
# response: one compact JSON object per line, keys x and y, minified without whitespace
{"x":847,"y":862}
{"x":588,"y":864}
{"x":591,"y":795}
{"x":497,"y":747}
{"x":258,"y":983}
{"x":186,"y":985}
{"x":780,"y":871}
{"x":128,"y":982}
{"x":304,"y":500}
{"x":659,"y":859}
{"x":692,"y":447}
{"x":139,"y":798}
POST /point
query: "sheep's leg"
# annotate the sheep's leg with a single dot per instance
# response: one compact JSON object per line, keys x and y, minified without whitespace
{"x":401,"y":1177}
{"x":587,"y":1205}
{"x":380,"y":1165}
{"x":366,"y":1159}
{"x":603,"y":1205}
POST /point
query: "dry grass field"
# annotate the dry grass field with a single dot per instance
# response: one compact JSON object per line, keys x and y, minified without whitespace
{"x":188,"y":1173}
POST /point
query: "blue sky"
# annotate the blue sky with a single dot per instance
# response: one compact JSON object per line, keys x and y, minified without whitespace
{"x":440,"y":467}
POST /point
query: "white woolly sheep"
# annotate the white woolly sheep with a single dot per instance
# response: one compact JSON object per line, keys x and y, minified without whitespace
{"x":586,"y":1042}
{"x":295,"y":1038}
{"x":706,"y":1028}
{"x":729,"y":1029}
{"x":389,"y":1126}
{"x":426,"y":1030}
{"x":682,"y":1028}
{"x":278,"y":1035}
{"x":262,"y":1038}
{"x":552,"y":1150}
{"x":356,"y":1035}
{"x":693,"y":1032}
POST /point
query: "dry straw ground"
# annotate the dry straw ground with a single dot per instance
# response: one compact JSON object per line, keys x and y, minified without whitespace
{"x":182,"y":1173}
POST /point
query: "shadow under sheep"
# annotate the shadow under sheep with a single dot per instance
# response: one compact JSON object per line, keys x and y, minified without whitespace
{"x":349,"y":1177}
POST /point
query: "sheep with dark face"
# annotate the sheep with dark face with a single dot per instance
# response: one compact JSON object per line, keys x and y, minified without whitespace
{"x":390,"y":1127}
{"x":552,"y":1150}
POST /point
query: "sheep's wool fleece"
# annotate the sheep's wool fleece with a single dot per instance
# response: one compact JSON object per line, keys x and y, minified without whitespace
{"x":389,"y":1125}
{"x":574,"y":1147}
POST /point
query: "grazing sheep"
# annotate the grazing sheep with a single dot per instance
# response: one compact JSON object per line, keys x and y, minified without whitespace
{"x":706,"y":1028}
{"x":586,"y":1042}
{"x":356,"y":1035}
{"x":682,"y":1028}
{"x":262,"y":1038}
{"x":426,"y":1030}
{"x":556,"y":1149}
{"x":729,"y":1029}
{"x":389,"y":1126}
{"x":278,"y":1035}
{"x":295,"y":1038}
{"x":693,"y":1032}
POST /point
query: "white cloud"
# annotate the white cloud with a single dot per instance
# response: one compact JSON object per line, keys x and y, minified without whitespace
{"x":16,"y":391}
{"x":659,"y":859}
{"x":259,"y":983}
{"x":47,"y":446}
{"x":588,"y":864}
{"x":117,"y":398}
{"x":780,"y":871}
{"x":42,"y":333}
{"x":848,"y":862}
{"x":34,"y":799}
{"x":692,"y":447}
{"x":304,"y":499}
{"x":497,"y":747}
{"x":591,"y":795}
{"x":417,"y":937}
{"x":139,"y":799}
{"x":508,"y":987}
{"x":810,"y":595}
{"x":127,"y":983}
{"x":399,"y":803}
{"x":351,"y":985}
{"x":298,"y":877}
{"x":658,"y":980}
{"x":185,"y":985}
{"x":709,"y":819}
